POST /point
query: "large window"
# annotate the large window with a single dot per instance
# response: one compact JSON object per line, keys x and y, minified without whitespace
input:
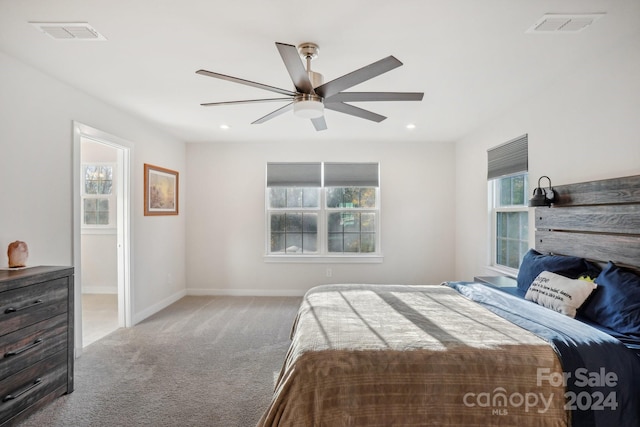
{"x":323,"y":209}
{"x":507,"y":175}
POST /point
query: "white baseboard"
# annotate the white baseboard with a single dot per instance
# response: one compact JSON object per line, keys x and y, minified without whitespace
{"x":99,"y":290}
{"x":149,"y":311}
{"x":246,"y":292}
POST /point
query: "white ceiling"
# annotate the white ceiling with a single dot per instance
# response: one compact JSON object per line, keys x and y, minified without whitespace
{"x":472,"y":58}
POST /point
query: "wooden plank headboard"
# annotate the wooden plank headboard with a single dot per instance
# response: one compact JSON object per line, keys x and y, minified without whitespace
{"x":597,"y":220}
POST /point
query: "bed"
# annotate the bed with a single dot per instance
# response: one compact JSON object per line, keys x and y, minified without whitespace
{"x":555,"y":350}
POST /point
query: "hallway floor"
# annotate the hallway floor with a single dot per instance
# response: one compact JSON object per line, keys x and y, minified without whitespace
{"x":99,"y":316}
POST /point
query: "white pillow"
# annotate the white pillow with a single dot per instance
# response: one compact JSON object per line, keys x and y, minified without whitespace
{"x":559,"y":293}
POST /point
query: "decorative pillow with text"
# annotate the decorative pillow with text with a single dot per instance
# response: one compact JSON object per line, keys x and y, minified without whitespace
{"x":559,"y":293}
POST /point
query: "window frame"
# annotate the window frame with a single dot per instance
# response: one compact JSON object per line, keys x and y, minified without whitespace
{"x":111,"y":227}
{"x":322,"y":255}
{"x":494,"y":209}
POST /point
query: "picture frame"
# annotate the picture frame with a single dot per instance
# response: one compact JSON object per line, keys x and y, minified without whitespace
{"x":161,"y":191}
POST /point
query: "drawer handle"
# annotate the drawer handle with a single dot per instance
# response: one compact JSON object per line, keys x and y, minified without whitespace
{"x":23,"y":349}
{"x":13,"y":309}
{"x":9,"y":397}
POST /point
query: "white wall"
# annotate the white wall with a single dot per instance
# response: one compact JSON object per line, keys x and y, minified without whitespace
{"x":586,"y":126}
{"x":36,"y":156}
{"x":226,"y":220}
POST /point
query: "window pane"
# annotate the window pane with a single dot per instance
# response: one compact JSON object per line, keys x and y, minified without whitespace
{"x":352,"y":231}
{"x":104,"y":187}
{"x":90,"y":218}
{"x":368,"y":222}
{"x":334,"y":197}
{"x":351,"y":221}
{"x":277,"y":222}
{"x":90,"y":205}
{"x":351,"y":242}
{"x":310,"y":243}
{"x":511,"y":238}
{"x":511,"y":191}
{"x":335,"y":242}
{"x":294,"y":232}
{"x":91,"y":187}
{"x":103,"y":218}
{"x":294,"y":243}
{"x":277,"y":197}
{"x":518,"y":190}
{"x":293,"y":222}
{"x":368,"y":242}
{"x":368,"y":198}
{"x":294,"y":197}
{"x":351,"y":197}
{"x":98,"y":179}
{"x":277,"y":242}
{"x":309,"y":223}
{"x":310,"y":197}
{"x":335,"y":222}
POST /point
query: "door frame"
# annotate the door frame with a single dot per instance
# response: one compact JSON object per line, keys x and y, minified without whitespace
{"x":123,"y":223}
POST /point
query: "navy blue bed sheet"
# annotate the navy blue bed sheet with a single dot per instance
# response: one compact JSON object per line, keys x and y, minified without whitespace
{"x":602,"y":374}
{"x":630,"y":341}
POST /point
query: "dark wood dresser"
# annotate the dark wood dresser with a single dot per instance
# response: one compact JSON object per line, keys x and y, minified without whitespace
{"x":36,"y":339}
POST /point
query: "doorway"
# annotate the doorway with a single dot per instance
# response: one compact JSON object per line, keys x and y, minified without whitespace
{"x":101,"y":234}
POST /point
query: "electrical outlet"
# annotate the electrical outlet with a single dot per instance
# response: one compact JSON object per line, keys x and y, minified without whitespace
{"x":329,"y":272}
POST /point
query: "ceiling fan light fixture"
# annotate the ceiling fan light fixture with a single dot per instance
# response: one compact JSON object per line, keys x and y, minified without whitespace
{"x":308,"y":107}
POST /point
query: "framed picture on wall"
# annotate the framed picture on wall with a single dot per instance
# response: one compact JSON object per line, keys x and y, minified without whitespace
{"x":161,"y":188}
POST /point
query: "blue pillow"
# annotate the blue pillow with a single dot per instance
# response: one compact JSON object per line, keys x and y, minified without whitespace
{"x":534,"y":263}
{"x":616,"y":302}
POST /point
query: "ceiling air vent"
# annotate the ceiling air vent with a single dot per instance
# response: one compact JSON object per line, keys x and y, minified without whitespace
{"x":69,"y":30}
{"x":559,"y":23}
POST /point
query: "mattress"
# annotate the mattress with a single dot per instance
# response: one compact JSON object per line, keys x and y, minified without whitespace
{"x":384,"y":355}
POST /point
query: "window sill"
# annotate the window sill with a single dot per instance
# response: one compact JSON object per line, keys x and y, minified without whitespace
{"x":326,"y":259}
{"x":509,"y":272}
{"x":99,"y":230}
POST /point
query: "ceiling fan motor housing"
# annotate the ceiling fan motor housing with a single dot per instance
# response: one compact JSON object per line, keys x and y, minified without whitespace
{"x":308,"y":106}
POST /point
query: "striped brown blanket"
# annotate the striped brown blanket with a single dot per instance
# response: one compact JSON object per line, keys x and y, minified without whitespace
{"x":395,"y":355}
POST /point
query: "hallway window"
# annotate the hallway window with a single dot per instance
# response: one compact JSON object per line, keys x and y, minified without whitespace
{"x":98,"y":198}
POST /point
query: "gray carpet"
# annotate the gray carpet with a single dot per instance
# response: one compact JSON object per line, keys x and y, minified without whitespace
{"x":203,"y":361}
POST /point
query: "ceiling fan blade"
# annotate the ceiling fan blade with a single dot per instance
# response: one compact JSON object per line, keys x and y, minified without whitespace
{"x":319,"y":123}
{"x":355,"y":77}
{"x":273,"y":114}
{"x":295,"y":67}
{"x":245,"y":101}
{"x":245,"y":82}
{"x":374,"y":96}
{"x":354,"y":111}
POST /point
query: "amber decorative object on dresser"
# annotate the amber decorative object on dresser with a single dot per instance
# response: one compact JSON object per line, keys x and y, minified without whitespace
{"x":18,"y":253}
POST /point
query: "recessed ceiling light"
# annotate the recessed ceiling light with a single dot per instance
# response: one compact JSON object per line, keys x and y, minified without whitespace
{"x":411,"y":126}
{"x":225,"y":127}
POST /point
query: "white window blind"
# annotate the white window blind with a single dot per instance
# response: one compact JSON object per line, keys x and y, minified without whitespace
{"x":294,"y":175}
{"x":509,"y":158}
{"x":351,"y":175}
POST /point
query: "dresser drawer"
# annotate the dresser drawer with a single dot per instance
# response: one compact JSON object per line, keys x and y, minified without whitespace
{"x":32,"y":304}
{"x":26,"y":346}
{"x":25,"y":388}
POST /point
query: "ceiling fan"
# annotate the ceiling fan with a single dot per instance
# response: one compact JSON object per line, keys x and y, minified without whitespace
{"x":312,"y":95}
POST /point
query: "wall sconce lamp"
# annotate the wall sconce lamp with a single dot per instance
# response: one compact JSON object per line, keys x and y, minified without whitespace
{"x":541,"y":196}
